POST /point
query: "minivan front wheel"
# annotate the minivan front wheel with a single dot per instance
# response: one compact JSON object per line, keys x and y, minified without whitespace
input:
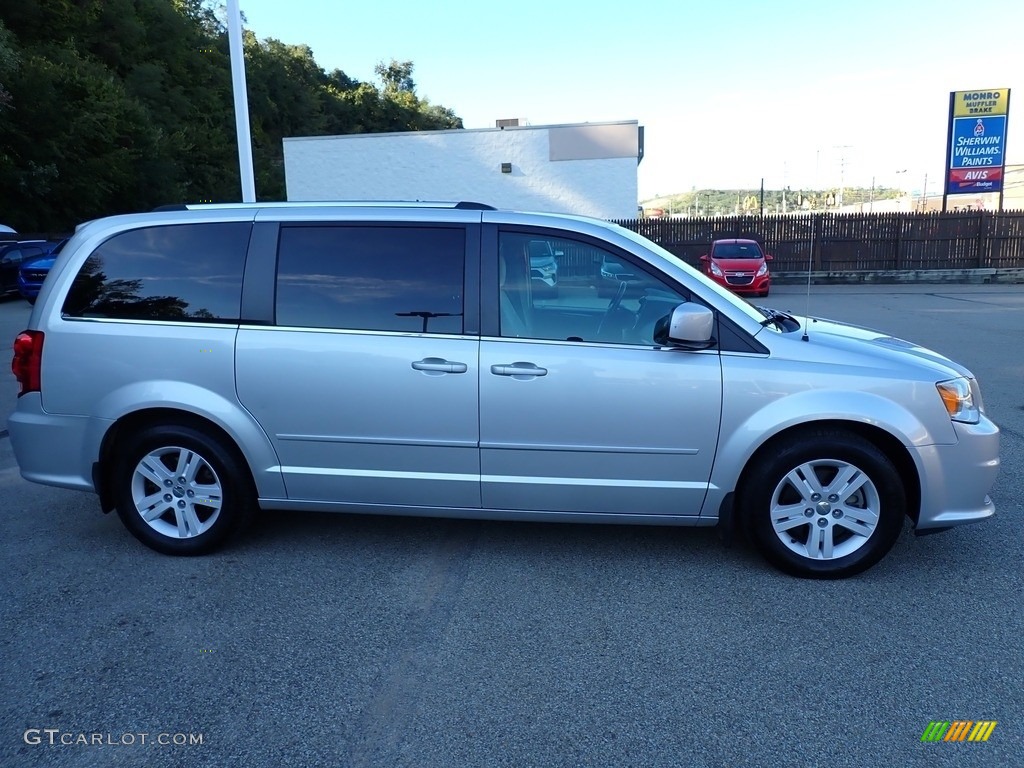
{"x":824,"y":505}
{"x":179,"y":490}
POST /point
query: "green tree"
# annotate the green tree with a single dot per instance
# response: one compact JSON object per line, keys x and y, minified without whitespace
{"x":110,"y":106}
{"x":8,"y":63}
{"x":396,"y":76}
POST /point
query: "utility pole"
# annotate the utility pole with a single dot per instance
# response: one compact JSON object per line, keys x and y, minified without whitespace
{"x":842,"y":172}
{"x":785,"y":183}
{"x":817,"y":170}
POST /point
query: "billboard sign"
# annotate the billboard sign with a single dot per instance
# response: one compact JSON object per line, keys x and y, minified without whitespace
{"x":976,"y":147}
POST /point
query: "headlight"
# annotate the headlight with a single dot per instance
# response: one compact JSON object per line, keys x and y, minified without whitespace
{"x":762,"y":271}
{"x":716,"y":270}
{"x":959,"y":400}
{"x":976,"y":392}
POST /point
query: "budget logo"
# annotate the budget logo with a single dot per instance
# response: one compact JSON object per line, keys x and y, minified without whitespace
{"x":958,"y":730}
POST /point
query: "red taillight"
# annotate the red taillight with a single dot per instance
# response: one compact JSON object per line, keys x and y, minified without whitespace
{"x":28,"y":359}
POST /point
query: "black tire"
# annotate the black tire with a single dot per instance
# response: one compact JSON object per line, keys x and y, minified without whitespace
{"x":215,"y":472}
{"x":841,"y":530}
{"x":764,"y":293}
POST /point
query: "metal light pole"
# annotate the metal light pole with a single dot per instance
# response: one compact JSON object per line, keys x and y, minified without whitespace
{"x":899,"y":188}
{"x":241,"y":103}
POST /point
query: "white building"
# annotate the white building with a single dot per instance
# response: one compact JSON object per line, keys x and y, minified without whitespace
{"x":583,"y":168}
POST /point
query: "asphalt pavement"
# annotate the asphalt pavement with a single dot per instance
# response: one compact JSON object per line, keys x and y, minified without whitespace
{"x":333,"y":640}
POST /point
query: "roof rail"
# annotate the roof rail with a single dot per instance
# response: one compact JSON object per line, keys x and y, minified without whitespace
{"x":468,"y":205}
{"x":464,"y":205}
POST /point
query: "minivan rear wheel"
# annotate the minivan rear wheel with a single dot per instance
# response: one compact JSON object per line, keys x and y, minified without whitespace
{"x":827,"y":504}
{"x":180,"y":490}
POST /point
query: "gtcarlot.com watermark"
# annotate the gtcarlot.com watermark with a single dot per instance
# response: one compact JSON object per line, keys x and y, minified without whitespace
{"x":55,"y":737}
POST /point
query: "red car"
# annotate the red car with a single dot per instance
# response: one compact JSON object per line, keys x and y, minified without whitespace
{"x":739,"y":265}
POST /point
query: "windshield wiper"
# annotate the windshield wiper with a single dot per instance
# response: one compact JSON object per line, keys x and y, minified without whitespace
{"x":781,"y":320}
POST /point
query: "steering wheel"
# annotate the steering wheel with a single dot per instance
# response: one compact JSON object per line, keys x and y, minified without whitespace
{"x":613,"y":305}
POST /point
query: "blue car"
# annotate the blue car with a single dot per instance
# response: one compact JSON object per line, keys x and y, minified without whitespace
{"x":34,"y":271}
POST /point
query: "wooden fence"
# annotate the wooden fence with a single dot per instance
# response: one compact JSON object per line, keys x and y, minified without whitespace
{"x":837,"y":242}
{"x":855,"y":241}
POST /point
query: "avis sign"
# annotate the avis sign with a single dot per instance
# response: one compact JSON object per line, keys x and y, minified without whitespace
{"x":976,"y":149}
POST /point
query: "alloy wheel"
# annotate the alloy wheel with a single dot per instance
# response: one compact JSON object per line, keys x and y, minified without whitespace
{"x":176,"y":492}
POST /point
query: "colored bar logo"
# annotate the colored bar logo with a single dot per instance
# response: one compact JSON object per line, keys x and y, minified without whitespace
{"x":958,"y":730}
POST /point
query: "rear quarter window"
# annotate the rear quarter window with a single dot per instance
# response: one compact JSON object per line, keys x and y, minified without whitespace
{"x":179,"y":272}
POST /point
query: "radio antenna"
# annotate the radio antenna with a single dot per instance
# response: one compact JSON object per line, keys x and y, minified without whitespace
{"x":810,"y":266}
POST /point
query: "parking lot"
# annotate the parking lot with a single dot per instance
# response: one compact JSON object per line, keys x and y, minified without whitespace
{"x":332,"y":640}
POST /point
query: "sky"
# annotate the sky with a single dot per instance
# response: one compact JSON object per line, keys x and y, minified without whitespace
{"x":805,"y":95}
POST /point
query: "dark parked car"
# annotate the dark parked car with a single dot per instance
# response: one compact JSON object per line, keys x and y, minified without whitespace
{"x":33,"y":271}
{"x":13,"y":255}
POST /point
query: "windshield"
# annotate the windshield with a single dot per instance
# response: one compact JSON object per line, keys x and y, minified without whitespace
{"x":736,"y":251}
{"x":726,"y":295}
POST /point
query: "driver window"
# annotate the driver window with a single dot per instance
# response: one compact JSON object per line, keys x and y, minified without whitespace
{"x":568,"y":290}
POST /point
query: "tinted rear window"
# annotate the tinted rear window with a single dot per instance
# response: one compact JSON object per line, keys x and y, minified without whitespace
{"x":180,"y":272}
{"x":372,"y":278}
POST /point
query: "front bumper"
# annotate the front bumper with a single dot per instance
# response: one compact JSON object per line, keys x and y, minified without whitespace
{"x":956,"y":479}
{"x":755,"y":286}
{"x":28,"y":289}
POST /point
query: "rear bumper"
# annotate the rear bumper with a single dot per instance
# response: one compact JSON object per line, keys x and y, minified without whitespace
{"x":956,"y":479}
{"x":55,"y":449}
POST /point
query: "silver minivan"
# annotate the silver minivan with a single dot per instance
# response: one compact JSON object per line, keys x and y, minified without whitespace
{"x":192,"y":365}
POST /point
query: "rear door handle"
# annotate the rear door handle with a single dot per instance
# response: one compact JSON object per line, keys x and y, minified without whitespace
{"x":519,"y":370}
{"x":434,"y":366}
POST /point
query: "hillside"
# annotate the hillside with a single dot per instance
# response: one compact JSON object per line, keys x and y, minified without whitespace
{"x":726,"y":202}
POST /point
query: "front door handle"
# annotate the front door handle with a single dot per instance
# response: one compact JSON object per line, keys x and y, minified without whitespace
{"x":519,"y":370}
{"x":434,"y":366}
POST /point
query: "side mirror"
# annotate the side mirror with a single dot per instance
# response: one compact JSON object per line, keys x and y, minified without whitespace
{"x":689,"y":326}
{"x":704,"y":258}
{"x":768,"y":257}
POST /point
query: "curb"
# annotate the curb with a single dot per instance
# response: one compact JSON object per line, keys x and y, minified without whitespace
{"x":982,"y":276}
